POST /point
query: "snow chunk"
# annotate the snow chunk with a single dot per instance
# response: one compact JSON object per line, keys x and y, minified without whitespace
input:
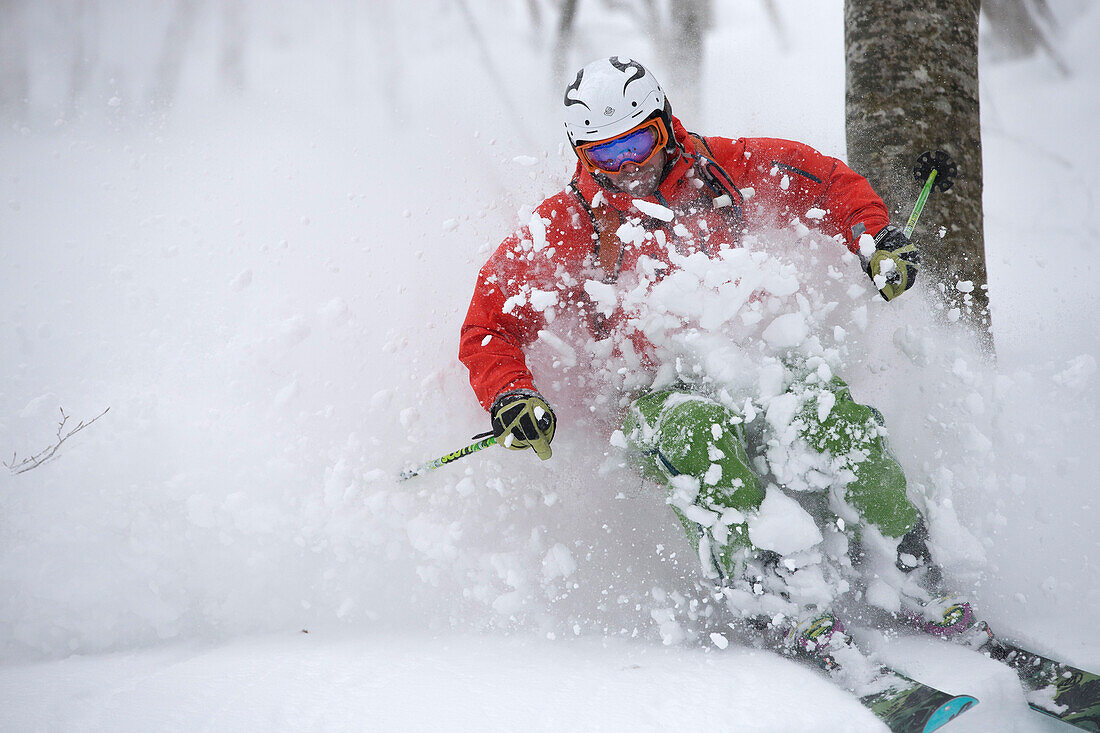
{"x":653,"y":210}
{"x":1044,"y":699}
{"x":964,"y":286}
{"x":781,"y":411}
{"x":567,"y":353}
{"x":1078,"y":373}
{"x":782,"y":525}
{"x":618,"y":440}
{"x":602,"y":294}
{"x":699,"y":515}
{"x":719,"y":641}
{"x":381,"y":399}
{"x":630,"y":233}
{"x":859,"y":317}
{"x":883,"y":596}
{"x":336,"y":312}
{"x":465,"y":487}
{"x":241,"y":281}
{"x":786,"y":331}
{"x":771,"y":381}
{"x":816,"y":213}
{"x":543,"y":299}
{"x":866,"y":245}
{"x":525,"y":160}
{"x":667,"y":626}
{"x":287,"y":394}
{"x":537,"y":226}
{"x":517,"y":300}
{"x":558,"y":563}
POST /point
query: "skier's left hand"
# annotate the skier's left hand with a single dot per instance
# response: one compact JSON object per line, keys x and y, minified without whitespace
{"x":894,"y":264}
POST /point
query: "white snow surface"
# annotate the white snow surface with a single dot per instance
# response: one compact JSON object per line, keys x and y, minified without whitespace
{"x":266,"y":290}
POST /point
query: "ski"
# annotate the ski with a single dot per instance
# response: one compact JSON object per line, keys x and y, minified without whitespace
{"x":902,"y":703}
{"x":908,"y":706}
{"x":1051,"y":687}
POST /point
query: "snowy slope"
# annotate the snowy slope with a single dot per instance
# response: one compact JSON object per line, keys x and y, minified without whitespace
{"x":266,"y":292}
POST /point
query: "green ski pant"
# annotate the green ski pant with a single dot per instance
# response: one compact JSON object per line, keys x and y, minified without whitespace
{"x":676,"y":432}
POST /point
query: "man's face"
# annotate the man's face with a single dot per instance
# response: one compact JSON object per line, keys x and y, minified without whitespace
{"x":639,"y":180}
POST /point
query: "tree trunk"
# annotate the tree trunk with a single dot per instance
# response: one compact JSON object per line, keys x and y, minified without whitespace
{"x":84,"y":32}
{"x":173,"y":52}
{"x":563,"y":39}
{"x":683,"y":56}
{"x":231,"y":61}
{"x":912,"y":86}
{"x":14,"y":77}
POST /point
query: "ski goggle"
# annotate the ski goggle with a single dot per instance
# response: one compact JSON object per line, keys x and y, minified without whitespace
{"x":633,"y":146}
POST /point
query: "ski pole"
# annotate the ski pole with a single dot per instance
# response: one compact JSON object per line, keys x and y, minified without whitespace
{"x":449,"y":458}
{"x":937,"y":170}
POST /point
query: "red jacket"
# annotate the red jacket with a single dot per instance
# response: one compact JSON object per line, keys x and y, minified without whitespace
{"x":542,"y":268}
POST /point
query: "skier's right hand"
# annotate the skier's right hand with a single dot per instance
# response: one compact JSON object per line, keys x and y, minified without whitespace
{"x":522,"y":419}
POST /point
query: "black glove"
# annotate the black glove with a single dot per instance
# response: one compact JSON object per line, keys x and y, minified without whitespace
{"x":896,"y":258}
{"x":524,"y":420}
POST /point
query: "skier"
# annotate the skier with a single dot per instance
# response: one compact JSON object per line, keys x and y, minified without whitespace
{"x":638,"y":165}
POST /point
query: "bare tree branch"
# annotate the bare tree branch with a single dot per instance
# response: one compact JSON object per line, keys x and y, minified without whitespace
{"x":50,"y":452}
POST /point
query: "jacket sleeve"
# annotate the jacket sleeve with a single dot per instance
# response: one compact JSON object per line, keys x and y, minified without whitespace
{"x":499,"y":323}
{"x":531,"y":278}
{"x":790,"y":179}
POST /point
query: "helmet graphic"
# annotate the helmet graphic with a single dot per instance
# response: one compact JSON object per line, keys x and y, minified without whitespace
{"x":610,"y":97}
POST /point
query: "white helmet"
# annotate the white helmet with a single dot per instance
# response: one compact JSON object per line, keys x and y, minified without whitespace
{"x":611,"y":96}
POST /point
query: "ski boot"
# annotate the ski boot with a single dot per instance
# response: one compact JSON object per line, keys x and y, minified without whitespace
{"x":818,"y":638}
{"x":926,"y":605}
{"x":949,"y":616}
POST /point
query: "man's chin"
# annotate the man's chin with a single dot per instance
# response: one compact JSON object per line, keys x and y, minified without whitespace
{"x":639,"y":189}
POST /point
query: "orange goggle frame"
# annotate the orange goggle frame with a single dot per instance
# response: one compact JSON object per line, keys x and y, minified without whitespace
{"x":637,"y":145}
